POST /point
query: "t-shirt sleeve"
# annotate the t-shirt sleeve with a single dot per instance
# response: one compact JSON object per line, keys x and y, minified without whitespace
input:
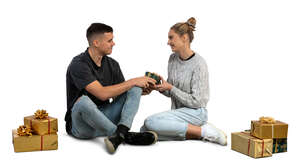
{"x":81,"y":75}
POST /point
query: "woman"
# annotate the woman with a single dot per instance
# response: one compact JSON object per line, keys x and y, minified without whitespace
{"x":187,"y":85}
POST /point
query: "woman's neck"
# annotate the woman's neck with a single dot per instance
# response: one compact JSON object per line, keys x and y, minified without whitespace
{"x":186,"y":53}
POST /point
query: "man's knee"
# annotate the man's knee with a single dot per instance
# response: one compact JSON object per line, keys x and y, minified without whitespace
{"x":85,"y":104}
{"x":135,"y":90}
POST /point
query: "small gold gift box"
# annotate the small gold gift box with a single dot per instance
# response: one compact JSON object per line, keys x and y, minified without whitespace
{"x":41,"y":123}
{"x":29,"y":142}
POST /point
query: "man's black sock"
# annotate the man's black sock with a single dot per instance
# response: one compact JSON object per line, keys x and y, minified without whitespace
{"x":122,"y":130}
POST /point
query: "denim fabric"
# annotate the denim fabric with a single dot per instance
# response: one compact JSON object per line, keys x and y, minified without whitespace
{"x":90,"y":121}
{"x":172,"y":124}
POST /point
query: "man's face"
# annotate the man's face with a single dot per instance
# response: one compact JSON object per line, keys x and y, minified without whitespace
{"x":105,"y":43}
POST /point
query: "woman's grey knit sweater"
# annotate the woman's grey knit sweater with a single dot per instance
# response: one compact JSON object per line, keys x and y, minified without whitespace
{"x":190,"y":82}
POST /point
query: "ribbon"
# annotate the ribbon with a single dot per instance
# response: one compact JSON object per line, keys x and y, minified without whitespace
{"x":41,"y":114}
{"x":262,"y":145}
{"x":24,"y":130}
{"x":247,"y":133}
{"x":48,"y":126}
{"x":248,"y":147}
{"x":262,"y":150}
{"x":268,"y":120}
{"x":42,"y":142}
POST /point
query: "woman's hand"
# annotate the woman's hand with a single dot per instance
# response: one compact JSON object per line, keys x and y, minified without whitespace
{"x":164,"y":86}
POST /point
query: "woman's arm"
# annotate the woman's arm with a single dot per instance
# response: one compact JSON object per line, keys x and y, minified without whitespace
{"x":199,"y":95}
{"x":166,"y":93}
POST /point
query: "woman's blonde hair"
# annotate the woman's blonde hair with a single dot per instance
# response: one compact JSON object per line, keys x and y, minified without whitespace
{"x":185,"y":27}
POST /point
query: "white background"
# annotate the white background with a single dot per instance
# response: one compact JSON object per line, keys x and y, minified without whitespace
{"x":251,"y":48}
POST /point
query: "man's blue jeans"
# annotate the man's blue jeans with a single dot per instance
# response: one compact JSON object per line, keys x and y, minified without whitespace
{"x":90,"y":120}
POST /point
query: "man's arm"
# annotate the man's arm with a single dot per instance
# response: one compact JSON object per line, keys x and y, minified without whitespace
{"x":105,"y":92}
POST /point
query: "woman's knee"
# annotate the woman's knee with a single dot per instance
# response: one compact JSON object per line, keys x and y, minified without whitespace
{"x":151,"y":123}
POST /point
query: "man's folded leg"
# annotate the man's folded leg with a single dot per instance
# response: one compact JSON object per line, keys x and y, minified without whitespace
{"x":128,"y":105}
{"x":88,"y":121}
{"x":131,"y":106}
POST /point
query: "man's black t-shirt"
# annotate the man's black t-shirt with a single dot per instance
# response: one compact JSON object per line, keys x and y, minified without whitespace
{"x":83,"y":71}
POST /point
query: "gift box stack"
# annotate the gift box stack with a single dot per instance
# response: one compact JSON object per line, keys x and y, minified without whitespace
{"x":38,"y":133}
{"x":266,"y":137}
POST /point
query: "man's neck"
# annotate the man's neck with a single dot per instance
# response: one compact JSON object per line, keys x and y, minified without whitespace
{"x":95,"y":55}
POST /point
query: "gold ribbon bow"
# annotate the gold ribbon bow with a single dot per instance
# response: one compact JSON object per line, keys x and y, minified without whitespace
{"x":24,"y":131}
{"x":267,"y":120}
{"x":40,"y":114}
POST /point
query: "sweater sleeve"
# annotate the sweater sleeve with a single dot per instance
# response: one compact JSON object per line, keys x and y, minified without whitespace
{"x":199,"y":94}
{"x":166,"y":93}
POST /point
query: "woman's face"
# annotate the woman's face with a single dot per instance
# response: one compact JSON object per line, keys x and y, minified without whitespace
{"x":175,"y":41}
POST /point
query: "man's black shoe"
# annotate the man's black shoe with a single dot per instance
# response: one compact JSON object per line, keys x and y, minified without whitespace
{"x":112,"y":142}
{"x":141,"y":138}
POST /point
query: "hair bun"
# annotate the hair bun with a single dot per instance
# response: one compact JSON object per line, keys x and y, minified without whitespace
{"x":192,"y":22}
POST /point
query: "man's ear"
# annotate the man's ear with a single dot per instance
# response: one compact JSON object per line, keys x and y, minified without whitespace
{"x":96,"y":43}
{"x":97,"y":40}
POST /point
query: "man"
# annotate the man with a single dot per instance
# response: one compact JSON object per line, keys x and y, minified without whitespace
{"x":93,"y":79}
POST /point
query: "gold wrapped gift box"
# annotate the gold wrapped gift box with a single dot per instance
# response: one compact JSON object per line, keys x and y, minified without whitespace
{"x":34,"y":142}
{"x":41,"y":126}
{"x":244,"y":143}
{"x":269,"y":131}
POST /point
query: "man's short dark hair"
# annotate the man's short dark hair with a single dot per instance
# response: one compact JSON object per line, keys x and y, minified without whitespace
{"x":97,"y":28}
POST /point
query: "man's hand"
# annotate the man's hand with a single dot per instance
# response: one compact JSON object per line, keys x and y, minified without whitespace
{"x":146,"y":91}
{"x":143,"y":82}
